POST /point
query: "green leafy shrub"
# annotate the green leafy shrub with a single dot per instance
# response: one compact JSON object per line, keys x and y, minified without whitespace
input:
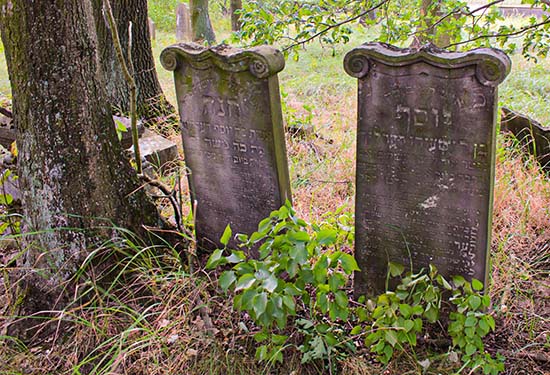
{"x":470,"y":323}
{"x":398,"y":318}
{"x":295,"y":291}
{"x":300,"y":267}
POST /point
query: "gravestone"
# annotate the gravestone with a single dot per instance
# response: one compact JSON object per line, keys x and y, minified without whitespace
{"x":425,"y":159}
{"x":183,"y":23}
{"x":233,"y":137}
{"x":157,"y":150}
{"x":529,"y":133}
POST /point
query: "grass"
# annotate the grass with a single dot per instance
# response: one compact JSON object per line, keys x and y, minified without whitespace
{"x":149,"y":320}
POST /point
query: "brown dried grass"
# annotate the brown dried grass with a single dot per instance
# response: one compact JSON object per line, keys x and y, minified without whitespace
{"x":520,"y":287}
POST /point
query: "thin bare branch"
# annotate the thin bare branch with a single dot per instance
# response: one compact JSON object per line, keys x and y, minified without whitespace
{"x":515,"y":33}
{"x":348,"y":20}
{"x":128,"y":76}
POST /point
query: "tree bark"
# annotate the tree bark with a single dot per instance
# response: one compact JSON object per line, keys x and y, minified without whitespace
{"x":72,"y":171}
{"x":235,"y":18}
{"x":151,"y":102}
{"x":200,"y":22}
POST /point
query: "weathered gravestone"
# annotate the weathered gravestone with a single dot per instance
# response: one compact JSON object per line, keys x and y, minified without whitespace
{"x":529,"y":133}
{"x":183,"y":22}
{"x":425,"y":159}
{"x":232,"y":130}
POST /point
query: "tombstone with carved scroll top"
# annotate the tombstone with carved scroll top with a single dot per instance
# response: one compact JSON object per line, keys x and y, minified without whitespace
{"x":233,"y":137}
{"x":425,"y":159}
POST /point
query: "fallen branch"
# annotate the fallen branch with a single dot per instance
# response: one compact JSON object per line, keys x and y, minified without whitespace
{"x":537,"y":357}
{"x":6,"y":112}
{"x":168,"y":194}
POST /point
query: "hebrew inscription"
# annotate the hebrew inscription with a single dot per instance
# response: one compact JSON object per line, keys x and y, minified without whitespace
{"x":425,"y":159}
{"x":232,"y":133}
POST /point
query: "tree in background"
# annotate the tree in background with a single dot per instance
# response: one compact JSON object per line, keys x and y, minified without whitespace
{"x":200,"y":22}
{"x":236,"y":6}
{"x":452,"y":24}
{"x":151,"y":102}
{"x":71,"y":168}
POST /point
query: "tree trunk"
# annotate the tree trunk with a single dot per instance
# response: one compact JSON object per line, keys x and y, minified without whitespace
{"x":72,"y":171}
{"x":151,"y":102}
{"x":430,"y":10}
{"x":200,"y":22}
{"x":235,"y":18}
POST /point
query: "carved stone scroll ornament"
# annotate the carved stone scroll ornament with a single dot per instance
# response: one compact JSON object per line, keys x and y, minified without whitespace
{"x":261,"y":61}
{"x":492,"y":66}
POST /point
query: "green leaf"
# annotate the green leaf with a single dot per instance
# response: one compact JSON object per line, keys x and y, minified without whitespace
{"x":491,"y":322}
{"x":120,"y":128}
{"x":408,"y":325}
{"x":431,"y":314}
{"x":326,"y":236}
{"x":348,"y":263}
{"x":418,"y":324}
{"x":444,"y":282}
{"x":288,"y":301}
{"x":322,"y":301}
{"x":246,"y":299}
{"x":474,"y":302}
{"x":484,"y":326}
{"x":395,"y":269}
{"x":391,"y":337}
{"x":341,"y":298}
{"x":236,"y":257}
{"x":256,"y":236}
{"x":356,"y":330}
{"x":388,"y":353}
{"x":226,"y":279}
{"x":411,"y":338}
{"x":470,"y":349}
{"x":270,"y":284}
{"x":458,"y":280}
{"x":6,"y":199}
{"x":406,"y":310}
{"x":226,"y":235}
{"x":261,"y":336}
{"x":477,"y":285}
{"x":259,"y":303}
{"x":215,"y":259}
{"x":278,"y":339}
{"x":298,"y":236}
{"x":336,"y":281}
{"x":261,"y":353}
{"x":245,"y":282}
{"x":320,"y":269}
{"x":417,"y":310}
{"x":470,"y":321}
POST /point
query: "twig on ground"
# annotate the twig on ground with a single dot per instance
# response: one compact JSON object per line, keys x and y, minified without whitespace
{"x":169,"y":194}
{"x":6,"y":112}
